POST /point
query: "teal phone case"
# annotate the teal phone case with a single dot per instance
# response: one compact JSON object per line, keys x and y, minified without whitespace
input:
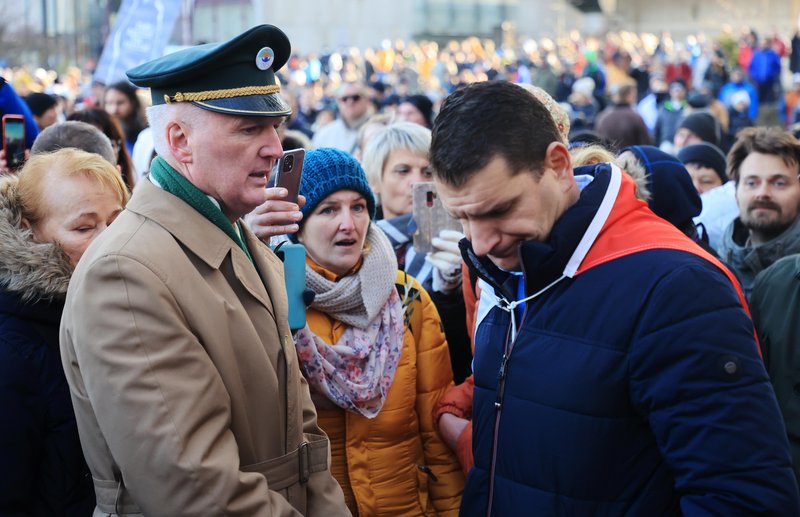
{"x":294,"y":267}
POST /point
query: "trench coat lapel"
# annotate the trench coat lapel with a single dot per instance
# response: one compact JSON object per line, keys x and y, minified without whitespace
{"x":270,"y":269}
{"x":201,"y":237}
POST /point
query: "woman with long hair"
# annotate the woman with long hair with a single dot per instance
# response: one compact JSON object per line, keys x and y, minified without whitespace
{"x":110,"y":127}
{"x":120,"y":100}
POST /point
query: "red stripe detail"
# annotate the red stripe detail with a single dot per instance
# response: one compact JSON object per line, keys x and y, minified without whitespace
{"x":631,"y":227}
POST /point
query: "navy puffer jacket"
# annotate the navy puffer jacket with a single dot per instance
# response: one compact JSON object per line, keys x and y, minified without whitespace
{"x":634,"y":385}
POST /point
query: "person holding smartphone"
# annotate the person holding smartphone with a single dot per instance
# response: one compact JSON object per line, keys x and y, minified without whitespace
{"x":373,"y":352}
{"x":175,"y":336}
{"x":394,"y":160}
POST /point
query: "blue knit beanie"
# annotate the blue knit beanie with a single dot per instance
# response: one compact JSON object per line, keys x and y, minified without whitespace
{"x":674,"y":197}
{"x":328,"y":170}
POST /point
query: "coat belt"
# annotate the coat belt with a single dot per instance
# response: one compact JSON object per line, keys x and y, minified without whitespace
{"x":282,"y":472}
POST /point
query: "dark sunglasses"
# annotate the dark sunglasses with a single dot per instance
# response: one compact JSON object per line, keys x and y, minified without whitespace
{"x":354,"y":98}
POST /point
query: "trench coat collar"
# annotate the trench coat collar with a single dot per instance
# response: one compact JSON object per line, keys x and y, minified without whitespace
{"x":205,"y":239}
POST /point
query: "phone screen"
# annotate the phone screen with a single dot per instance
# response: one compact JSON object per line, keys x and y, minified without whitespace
{"x":14,"y":141}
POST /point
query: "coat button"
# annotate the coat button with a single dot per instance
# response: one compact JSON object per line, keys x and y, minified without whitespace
{"x":732,"y":366}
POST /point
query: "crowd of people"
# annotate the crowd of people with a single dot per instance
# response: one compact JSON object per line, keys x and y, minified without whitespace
{"x":612,"y":332}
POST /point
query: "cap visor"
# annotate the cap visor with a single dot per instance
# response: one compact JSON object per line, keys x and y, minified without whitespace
{"x":271,"y":105}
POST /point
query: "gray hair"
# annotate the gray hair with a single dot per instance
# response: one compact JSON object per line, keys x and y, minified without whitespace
{"x":160,"y":115}
{"x":400,"y":135}
{"x":76,"y":135}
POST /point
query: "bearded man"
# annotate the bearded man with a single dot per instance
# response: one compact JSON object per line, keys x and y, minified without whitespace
{"x":764,"y":163}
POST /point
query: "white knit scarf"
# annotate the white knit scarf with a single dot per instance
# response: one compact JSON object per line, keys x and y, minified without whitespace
{"x":357,"y":371}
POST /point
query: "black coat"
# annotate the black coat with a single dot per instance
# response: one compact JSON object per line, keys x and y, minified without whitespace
{"x":794,"y":57}
{"x":42,"y":470}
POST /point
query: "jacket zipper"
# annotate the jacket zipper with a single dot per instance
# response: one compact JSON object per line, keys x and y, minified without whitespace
{"x":498,"y":407}
{"x":508,"y":348}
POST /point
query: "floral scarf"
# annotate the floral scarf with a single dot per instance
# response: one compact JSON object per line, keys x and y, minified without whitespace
{"x":356,"y":372}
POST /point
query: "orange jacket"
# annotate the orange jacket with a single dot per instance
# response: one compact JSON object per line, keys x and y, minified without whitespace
{"x":381,"y":463}
{"x":458,"y":399}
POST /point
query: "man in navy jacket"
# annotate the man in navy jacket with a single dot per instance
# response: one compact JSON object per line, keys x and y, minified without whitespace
{"x":616,"y":368}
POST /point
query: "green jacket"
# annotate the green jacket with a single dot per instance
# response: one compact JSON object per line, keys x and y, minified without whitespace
{"x":775,"y":305}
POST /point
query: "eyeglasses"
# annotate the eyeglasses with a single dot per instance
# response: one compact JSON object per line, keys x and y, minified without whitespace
{"x":354,"y":98}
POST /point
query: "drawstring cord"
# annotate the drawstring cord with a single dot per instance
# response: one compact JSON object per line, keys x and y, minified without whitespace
{"x":510,"y":306}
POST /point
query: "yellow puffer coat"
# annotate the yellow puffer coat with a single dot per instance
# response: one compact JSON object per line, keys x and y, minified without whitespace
{"x":396,"y":463}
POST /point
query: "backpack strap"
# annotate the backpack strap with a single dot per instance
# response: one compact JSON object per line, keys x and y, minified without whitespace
{"x":412,"y":304}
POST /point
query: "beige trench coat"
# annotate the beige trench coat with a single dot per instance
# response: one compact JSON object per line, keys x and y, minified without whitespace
{"x":183,"y":374}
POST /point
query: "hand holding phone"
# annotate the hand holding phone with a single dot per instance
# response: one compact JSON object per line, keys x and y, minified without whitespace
{"x":14,"y":140}
{"x":446,"y":261}
{"x":288,"y":172}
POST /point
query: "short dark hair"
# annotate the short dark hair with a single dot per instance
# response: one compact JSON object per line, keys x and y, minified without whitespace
{"x":763,"y":140}
{"x":75,"y":134}
{"x":488,"y":119}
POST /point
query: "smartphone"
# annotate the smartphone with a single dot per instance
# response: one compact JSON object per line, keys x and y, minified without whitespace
{"x":14,"y":140}
{"x":294,"y":272}
{"x":430,"y":216}
{"x":288,"y":171}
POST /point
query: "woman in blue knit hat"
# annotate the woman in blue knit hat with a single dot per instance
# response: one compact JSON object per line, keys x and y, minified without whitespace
{"x":373,"y":352}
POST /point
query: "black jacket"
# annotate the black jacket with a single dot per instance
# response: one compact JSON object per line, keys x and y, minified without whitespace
{"x":42,"y":470}
{"x":775,"y":304}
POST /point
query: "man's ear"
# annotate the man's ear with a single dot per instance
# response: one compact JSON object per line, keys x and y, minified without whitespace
{"x":558,"y":159}
{"x":178,"y":141}
{"x":26,"y":225}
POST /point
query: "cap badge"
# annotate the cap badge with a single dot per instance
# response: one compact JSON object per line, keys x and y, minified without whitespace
{"x":265,"y":58}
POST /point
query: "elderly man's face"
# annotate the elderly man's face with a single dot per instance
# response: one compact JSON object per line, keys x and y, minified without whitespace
{"x":232,"y":158}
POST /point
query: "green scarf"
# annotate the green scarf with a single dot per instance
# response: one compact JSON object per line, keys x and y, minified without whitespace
{"x":170,"y":180}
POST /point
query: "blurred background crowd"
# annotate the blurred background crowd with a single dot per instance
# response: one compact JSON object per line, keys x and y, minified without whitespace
{"x":741,"y":78}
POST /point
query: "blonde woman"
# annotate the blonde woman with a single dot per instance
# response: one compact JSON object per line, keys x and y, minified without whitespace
{"x":49,"y":214}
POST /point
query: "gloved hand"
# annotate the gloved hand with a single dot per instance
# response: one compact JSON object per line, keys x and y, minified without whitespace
{"x":446,"y":261}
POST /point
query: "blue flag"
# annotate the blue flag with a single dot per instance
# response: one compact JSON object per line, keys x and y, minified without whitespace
{"x":141,"y":33}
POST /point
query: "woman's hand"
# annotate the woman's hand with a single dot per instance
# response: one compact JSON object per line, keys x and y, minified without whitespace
{"x":450,"y":428}
{"x":275,"y":216}
{"x":4,"y":164}
{"x":446,"y":261}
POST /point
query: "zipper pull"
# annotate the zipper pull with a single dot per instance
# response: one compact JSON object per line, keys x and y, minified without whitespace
{"x":501,"y":378}
{"x":501,"y":375}
{"x":427,"y":470}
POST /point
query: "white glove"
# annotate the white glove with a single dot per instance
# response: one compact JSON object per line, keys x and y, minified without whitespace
{"x":446,"y":261}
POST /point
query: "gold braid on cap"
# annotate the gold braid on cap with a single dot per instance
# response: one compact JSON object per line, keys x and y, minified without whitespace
{"x":222,"y":94}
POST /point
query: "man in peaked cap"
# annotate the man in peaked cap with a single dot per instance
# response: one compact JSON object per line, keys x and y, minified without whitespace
{"x":175,"y":338}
